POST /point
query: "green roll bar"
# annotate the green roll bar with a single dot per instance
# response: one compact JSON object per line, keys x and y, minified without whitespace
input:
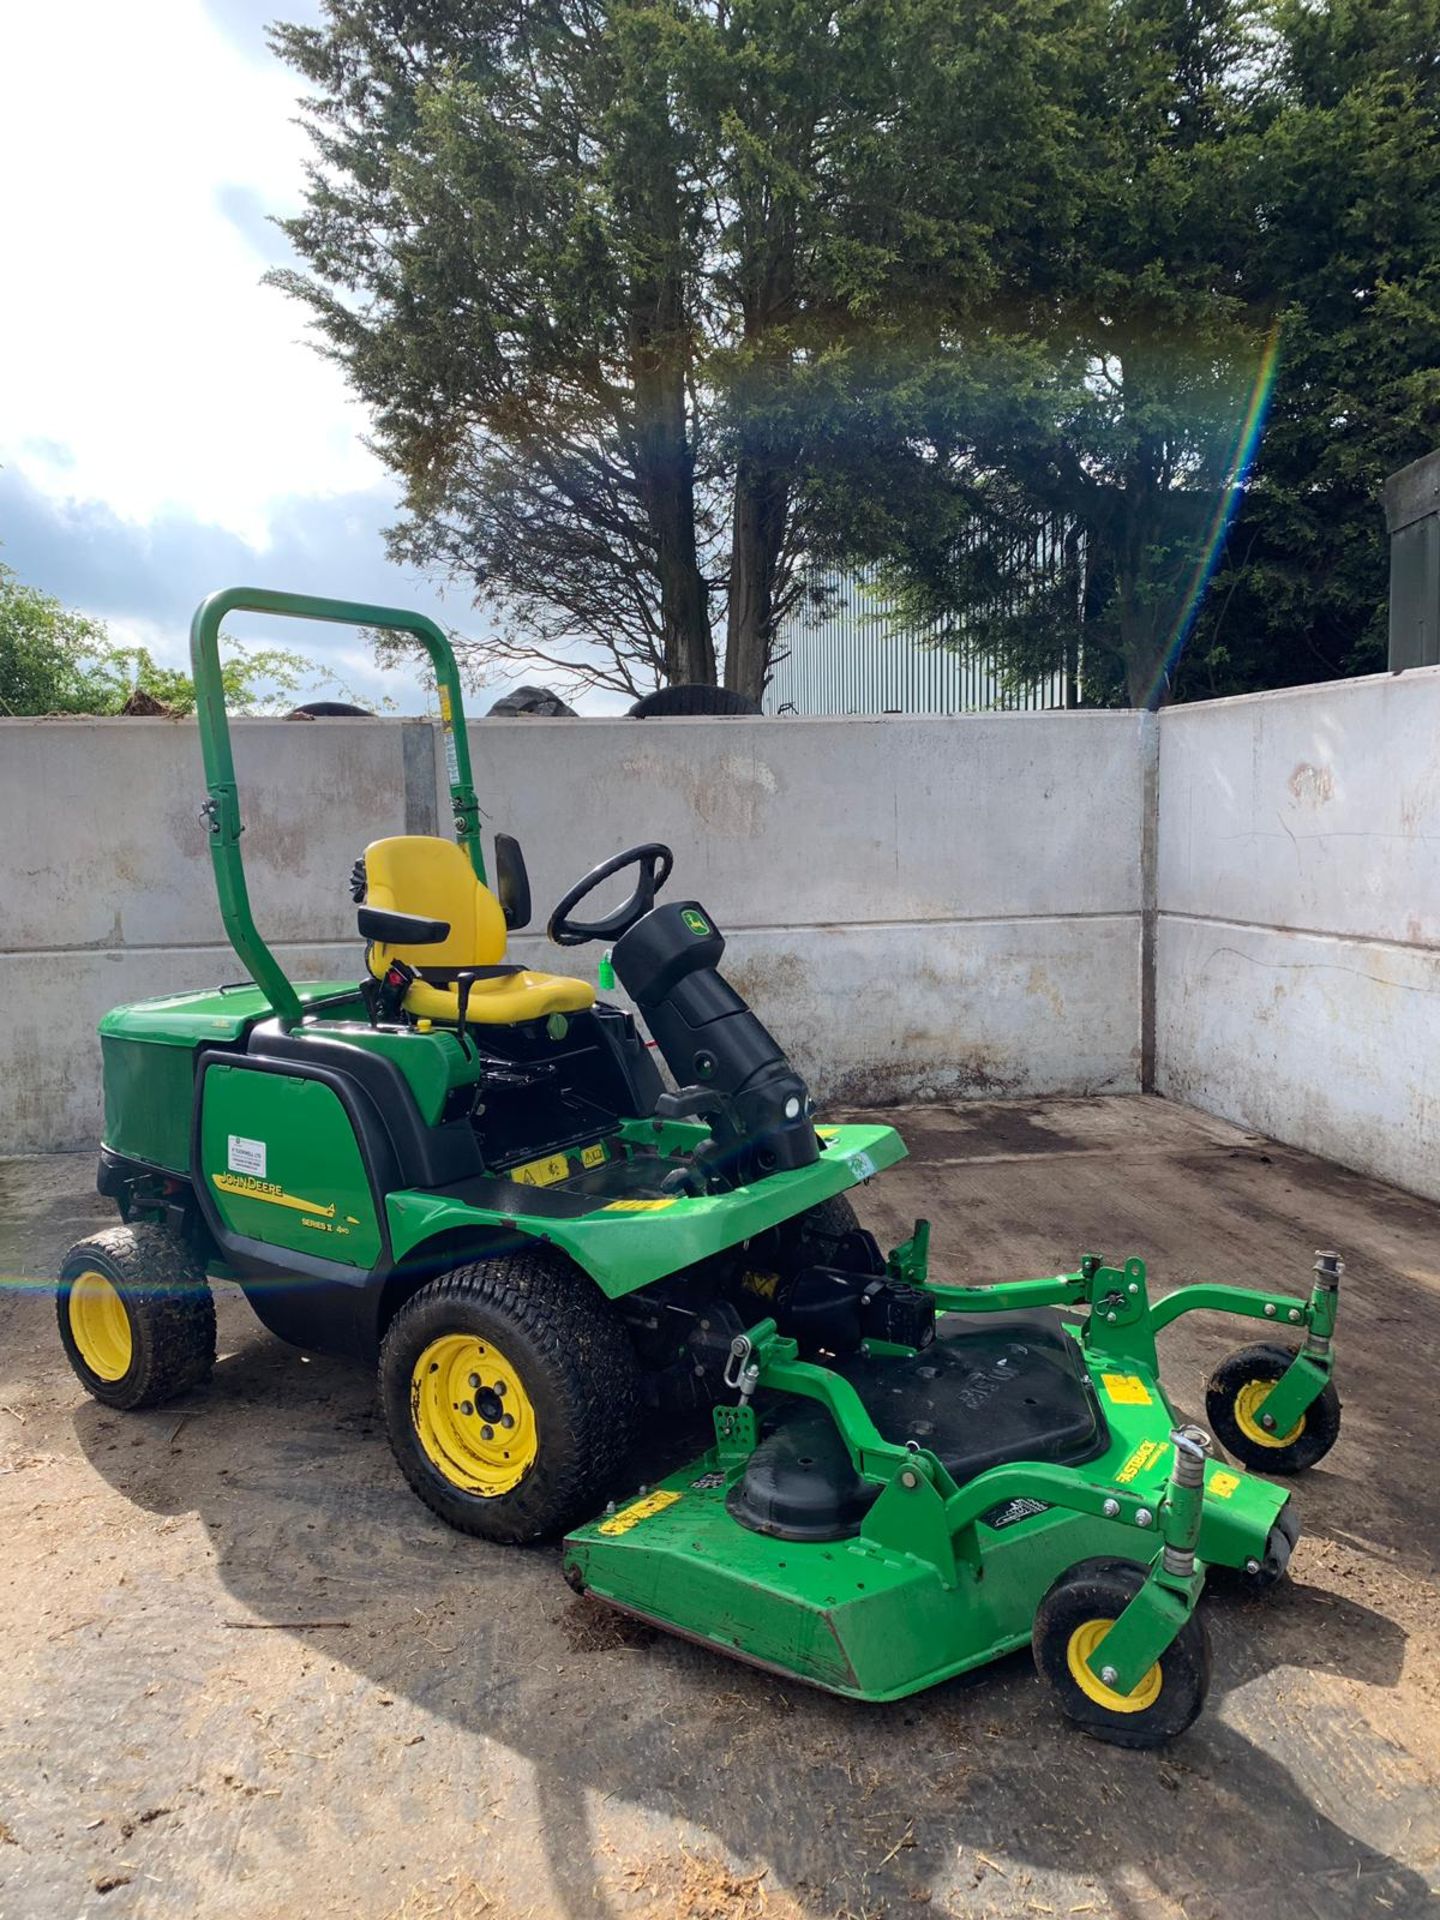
{"x":221,"y":813}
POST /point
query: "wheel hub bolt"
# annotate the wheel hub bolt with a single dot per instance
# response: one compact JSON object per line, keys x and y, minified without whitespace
{"x":467,"y":1408}
{"x":507,"y":1419}
{"x":500,"y":1388}
{"x":474,"y":1380}
{"x":1109,"y":1676}
{"x":487,"y":1433}
{"x":1267,"y":1420}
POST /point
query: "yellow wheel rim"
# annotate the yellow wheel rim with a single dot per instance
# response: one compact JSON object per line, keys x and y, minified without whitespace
{"x":472,"y":1415}
{"x":1083,"y":1642}
{"x":1248,"y":1403}
{"x":100,"y":1326}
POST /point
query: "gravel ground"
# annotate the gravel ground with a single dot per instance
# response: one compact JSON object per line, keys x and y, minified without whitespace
{"x":245,"y":1674}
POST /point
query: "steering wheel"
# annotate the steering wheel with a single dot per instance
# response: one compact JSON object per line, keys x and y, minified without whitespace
{"x":655,"y":863}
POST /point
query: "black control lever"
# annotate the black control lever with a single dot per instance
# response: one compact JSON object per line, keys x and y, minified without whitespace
{"x":691,"y":1100}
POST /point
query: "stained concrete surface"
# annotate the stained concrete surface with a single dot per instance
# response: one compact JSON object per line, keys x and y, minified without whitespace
{"x":180,"y":1732}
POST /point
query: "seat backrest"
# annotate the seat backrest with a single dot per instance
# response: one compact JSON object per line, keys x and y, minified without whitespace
{"x":418,"y":873}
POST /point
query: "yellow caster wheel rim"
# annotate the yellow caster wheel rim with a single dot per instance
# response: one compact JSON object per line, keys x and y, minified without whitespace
{"x":100,"y":1326}
{"x":472,"y":1415}
{"x":1248,"y":1403}
{"x":1082,"y":1643}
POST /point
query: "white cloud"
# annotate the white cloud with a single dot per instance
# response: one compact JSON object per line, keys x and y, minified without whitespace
{"x":166,"y":427}
{"x":143,"y":364}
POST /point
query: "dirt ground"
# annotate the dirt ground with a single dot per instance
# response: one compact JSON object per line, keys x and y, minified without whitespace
{"x":245,"y":1674}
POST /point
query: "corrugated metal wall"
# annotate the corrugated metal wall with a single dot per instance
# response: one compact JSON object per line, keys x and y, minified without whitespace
{"x":850,"y":661}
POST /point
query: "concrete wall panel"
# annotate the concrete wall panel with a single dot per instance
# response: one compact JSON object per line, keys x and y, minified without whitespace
{"x":1329,"y":1044}
{"x":780,"y":823}
{"x":919,"y":906}
{"x":103,"y":845}
{"x":1316,"y":808}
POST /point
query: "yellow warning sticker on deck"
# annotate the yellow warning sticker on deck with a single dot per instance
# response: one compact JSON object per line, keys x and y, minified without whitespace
{"x":645,"y":1509}
{"x":541,"y":1173}
{"x":1222,"y":1485}
{"x":636,"y":1206}
{"x":1126,"y":1389}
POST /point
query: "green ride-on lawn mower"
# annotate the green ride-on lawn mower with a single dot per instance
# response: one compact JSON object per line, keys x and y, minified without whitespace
{"x":473,"y":1171}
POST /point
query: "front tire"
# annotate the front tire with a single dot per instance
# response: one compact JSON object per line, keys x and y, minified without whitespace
{"x":1070,"y":1624}
{"x":509,"y":1391}
{"x":1233,"y":1398}
{"x":137,"y":1320}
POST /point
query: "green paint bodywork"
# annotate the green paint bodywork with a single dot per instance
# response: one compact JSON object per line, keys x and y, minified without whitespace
{"x":622,"y":1249}
{"x":313,"y":1196}
{"x":939,"y":1578}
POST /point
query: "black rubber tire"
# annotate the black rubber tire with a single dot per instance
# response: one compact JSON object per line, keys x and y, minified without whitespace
{"x":1101,"y":1590}
{"x":1265,"y":1362}
{"x":167,"y":1303}
{"x":1284,"y":1536}
{"x":690,"y":699}
{"x":576,"y":1363}
{"x":831,"y":1220}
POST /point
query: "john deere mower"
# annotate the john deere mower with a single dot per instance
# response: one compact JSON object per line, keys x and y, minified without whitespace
{"x":472,"y":1172}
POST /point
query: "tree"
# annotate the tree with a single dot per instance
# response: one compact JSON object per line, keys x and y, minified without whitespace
{"x":596,"y":268}
{"x":1351,"y":252}
{"x":51,"y":659}
{"x":1103,"y":389}
{"x":54,"y":660}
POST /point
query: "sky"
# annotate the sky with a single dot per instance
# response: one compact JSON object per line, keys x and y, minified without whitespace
{"x":166,"y":425}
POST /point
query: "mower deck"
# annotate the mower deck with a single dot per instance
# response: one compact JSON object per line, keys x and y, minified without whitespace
{"x":868,"y":1618}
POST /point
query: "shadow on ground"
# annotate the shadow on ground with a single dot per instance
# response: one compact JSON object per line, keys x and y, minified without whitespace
{"x":854,"y":1809}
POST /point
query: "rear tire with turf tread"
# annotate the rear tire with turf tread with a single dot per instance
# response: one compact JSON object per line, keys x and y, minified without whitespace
{"x":1101,"y":1589}
{"x":168,"y":1308}
{"x":832,"y":1219}
{"x":574,"y":1361}
{"x":1225,"y":1410}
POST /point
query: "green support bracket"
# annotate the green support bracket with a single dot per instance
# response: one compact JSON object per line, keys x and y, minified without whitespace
{"x":221,"y":812}
{"x":1008,"y":1296}
{"x":1292,"y":1395}
{"x":910,"y":1261}
{"x":1172,"y":1587}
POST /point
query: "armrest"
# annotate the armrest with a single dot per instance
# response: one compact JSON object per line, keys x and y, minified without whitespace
{"x":401,"y":929}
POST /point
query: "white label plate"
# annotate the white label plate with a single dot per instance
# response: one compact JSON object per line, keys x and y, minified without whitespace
{"x":246,"y":1156}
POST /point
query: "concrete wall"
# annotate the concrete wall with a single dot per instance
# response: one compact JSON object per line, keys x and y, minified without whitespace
{"x":920,"y":907}
{"x":1298,"y":918}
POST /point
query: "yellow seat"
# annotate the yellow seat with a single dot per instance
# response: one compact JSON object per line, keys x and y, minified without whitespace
{"x":415,"y":873}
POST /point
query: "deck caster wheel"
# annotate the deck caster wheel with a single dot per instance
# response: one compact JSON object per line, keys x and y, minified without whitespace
{"x":1259,"y":1577}
{"x":1233,"y":1399}
{"x":509,"y":1392}
{"x":136,"y":1316}
{"x":1072,"y":1620}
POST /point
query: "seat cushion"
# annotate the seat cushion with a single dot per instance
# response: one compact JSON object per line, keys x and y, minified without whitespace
{"x":495,"y":1003}
{"x":422,"y":874}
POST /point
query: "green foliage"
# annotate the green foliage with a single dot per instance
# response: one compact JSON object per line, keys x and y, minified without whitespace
{"x":650,"y":298}
{"x":1350,"y":252}
{"x":1244,"y":170}
{"x":50,"y":658}
{"x":598,"y":270}
{"x":55,"y":661}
